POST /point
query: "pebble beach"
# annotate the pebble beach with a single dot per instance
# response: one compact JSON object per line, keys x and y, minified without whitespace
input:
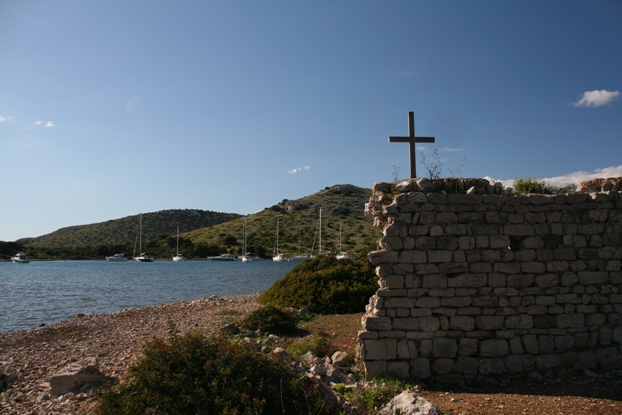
{"x":29,"y":358}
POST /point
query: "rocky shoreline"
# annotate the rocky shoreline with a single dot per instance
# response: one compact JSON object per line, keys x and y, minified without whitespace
{"x":29,"y":358}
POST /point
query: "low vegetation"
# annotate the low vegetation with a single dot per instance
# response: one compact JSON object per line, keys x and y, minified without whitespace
{"x":270,"y":319}
{"x":325,"y":285}
{"x":537,"y":186}
{"x":194,"y":374}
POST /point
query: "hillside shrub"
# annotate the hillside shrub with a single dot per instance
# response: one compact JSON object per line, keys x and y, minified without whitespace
{"x":194,"y":374}
{"x":324,"y":285}
{"x":270,"y":319}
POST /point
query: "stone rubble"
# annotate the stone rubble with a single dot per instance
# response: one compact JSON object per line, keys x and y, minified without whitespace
{"x":30,"y":358}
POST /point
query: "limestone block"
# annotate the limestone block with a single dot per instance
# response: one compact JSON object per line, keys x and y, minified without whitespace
{"x":457,"y":302}
{"x":569,"y":278}
{"x":595,"y":319}
{"x":564,"y":342}
{"x":382,"y":257}
{"x":585,"y":360}
{"x":468,"y":280}
{"x":420,"y":368}
{"x":442,"y":366}
{"x":617,"y":335}
{"x":489,"y":322}
{"x":74,"y":375}
{"x":547,"y":280}
{"x":398,"y":370}
{"x":408,"y":324}
{"x":547,"y":361}
{"x":399,"y":302}
{"x":520,"y":280}
{"x":434,"y":281}
{"x":466,"y":365}
{"x":593,"y":277}
{"x":440,"y":256}
{"x":393,"y":282}
{"x":428,"y":302}
{"x":429,"y":324}
{"x":340,"y":358}
{"x":381,"y":349}
{"x":403,"y":352}
{"x":516,"y":346}
{"x":546,"y":344}
{"x":609,"y":358}
{"x":494,"y":348}
{"x":467,"y":347}
{"x":375,"y":369}
{"x":412,"y":281}
{"x":390,"y":243}
{"x":372,"y":323}
{"x":444,"y":347}
{"x":493,"y":366}
{"x":605,"y":336}
{"x":530,"y":342}
{"x":413,"y":256}
{"x":570,"y":320}
{"x":519,"y":363}
{"x":533,"y":267}
{"x":409,"y":403}
{"x":426,"y":347}
{"x":464,"y":323}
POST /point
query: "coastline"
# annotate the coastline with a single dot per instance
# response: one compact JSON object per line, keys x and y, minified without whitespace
{"x":115,"y":339}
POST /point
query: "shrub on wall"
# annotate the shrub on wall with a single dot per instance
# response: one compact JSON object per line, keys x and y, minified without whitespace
{"x":325,"y":285}
{"x":535,"y":186}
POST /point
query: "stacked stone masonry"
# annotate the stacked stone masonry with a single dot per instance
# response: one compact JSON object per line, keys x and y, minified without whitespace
{"x":480,"y":285}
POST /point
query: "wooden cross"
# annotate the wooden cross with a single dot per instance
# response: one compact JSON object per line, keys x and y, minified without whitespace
{"x":411,"y":140}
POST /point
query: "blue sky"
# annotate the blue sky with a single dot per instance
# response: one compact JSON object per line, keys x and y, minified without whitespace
{"x":112,"y":108}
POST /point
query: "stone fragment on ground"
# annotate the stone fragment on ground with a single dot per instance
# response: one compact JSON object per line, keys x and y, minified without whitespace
{"x":409,"y":403}
{"x":74,"y":376}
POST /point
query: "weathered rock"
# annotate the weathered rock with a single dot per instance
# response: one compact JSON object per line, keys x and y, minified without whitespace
{"x":230,"y":329}
{"x":339,"y":358}
{"x":601,"y":185}
{"x":73,"y":376}
{"x":409,"y":403}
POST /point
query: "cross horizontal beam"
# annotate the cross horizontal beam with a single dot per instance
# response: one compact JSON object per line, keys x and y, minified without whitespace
{"x":411,"y":140}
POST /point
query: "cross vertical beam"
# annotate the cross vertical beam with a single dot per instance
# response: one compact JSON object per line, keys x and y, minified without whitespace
{"x":411,"y":140}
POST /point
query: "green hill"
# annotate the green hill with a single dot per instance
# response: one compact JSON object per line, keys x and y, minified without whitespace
{"x":125,"y":230}
{"x":342,"y":206}
{"x":207,"y":233}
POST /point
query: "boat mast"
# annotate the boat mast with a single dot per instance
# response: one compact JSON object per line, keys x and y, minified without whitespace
{"x":320,"y":231}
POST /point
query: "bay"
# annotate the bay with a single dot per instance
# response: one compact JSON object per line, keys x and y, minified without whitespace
{"x":43,"y":292}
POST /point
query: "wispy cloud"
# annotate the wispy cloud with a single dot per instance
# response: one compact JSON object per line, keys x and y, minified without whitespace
{"x":5,"y":118}
{"x":577,"y":177}
{"x":39,"y":123}
{"x":596,"y":98}
{"x":298,"y":169}
{"x":450,"y":150}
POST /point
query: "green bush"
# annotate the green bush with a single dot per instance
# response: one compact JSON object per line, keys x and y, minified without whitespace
{"x":535,"y":186}
{"x":193,"y":374}
{"x":270,"y":319}
{"x":325,"y":285}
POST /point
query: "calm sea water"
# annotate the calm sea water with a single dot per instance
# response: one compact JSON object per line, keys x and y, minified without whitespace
{"x":43,"y":292}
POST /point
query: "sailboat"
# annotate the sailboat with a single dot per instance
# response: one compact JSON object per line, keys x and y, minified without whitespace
{"x":278,"y":256}
{"x":142,"y":257}
{"x":246,"y":256}
{"x":341,"y":254}
{"x":178,"y":257}
{"x":299,"y":257}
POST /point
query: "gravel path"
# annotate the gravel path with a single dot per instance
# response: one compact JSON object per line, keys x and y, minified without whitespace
{"x":31,"y":357}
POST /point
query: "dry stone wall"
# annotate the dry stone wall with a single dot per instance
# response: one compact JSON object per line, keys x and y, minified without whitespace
{"x":482,"y":284}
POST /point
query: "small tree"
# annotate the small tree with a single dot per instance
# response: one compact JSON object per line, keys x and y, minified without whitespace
{"x":437,"y":164}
